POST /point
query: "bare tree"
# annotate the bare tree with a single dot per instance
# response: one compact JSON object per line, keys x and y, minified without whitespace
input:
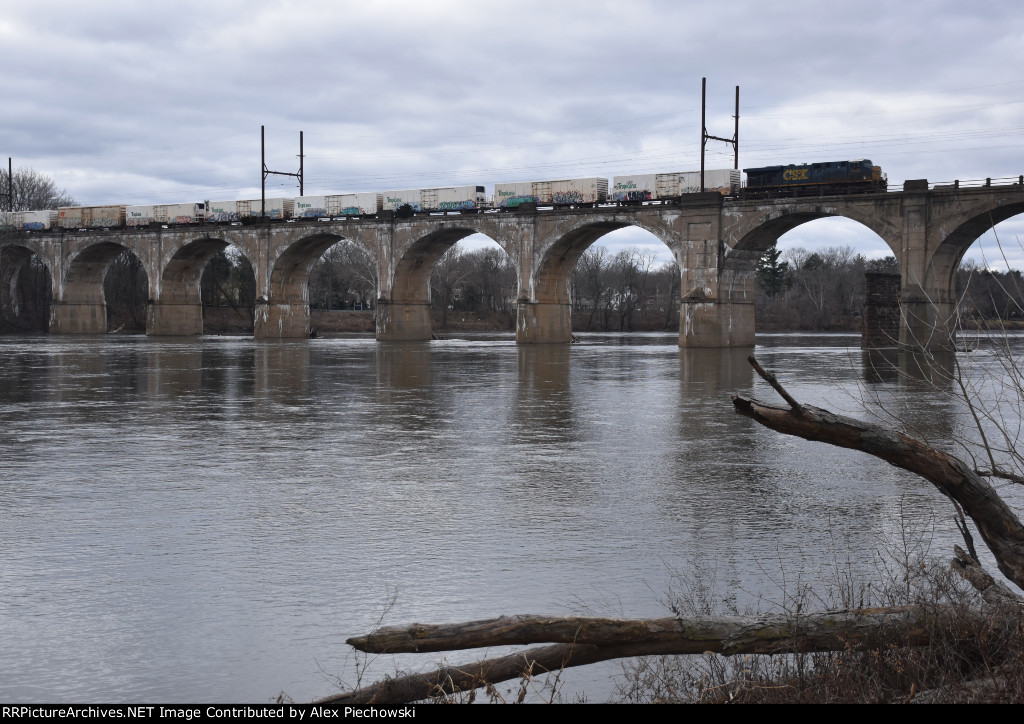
{"x":493,"y":279}
{"x":343,"y":277}
{"x":33,"y":191}
{"x":125,"y":290}
{"x":450,"y":271}
{"x":588,"y":283}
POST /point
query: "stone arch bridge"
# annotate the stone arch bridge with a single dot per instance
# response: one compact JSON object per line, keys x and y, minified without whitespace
{"x":716,"y":241}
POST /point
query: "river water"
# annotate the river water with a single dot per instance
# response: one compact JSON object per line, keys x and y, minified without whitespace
{"x":189,"y":520}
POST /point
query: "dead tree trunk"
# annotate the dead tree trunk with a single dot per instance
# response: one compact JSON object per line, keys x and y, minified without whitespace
{"x":581,"y":641}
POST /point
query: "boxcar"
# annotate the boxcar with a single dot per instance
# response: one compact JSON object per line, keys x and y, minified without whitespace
{"x":145,"y":215}
{"x":220,"y":211}
{"x":27,"y":220}
{"x":313,"y":207}
{"x":650,"y":186}
{"x":451,"y":198}
{"x":563,"y":192}
{"x":90,"y":217}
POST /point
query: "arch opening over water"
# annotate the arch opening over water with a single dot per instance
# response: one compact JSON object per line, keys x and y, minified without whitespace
{"x":814,"y":278}
{"x":105,"y":288}
{"x":609,"y":289}
{"x":455,"y":278}
{"x":473,"y":287}
{"x":342,"y":289}
{"x":227,"y":288}
{"x":988,"y":278}
{"x":284,"y":309}
{"x":627,"y":280}
{"x":26,"y":289}
{"x":805,"y":271}
{"x":206,"y":286}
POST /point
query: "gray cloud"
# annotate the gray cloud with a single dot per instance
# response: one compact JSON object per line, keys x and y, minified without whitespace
{"x":163,"y":102}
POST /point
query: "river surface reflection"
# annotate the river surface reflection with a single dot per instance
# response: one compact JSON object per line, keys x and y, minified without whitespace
{"x":209,"y":519}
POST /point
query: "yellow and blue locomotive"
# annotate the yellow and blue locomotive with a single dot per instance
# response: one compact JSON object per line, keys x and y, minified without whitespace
{"x":831,"y":177}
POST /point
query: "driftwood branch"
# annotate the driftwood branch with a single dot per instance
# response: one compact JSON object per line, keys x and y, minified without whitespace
{"x":776,"y":385}
{"x":994,"y":592}
{"x":580,"y":641}
{"x":997,"y":523}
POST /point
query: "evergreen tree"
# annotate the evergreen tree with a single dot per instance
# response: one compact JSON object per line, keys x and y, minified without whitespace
{"x":772,"y":275}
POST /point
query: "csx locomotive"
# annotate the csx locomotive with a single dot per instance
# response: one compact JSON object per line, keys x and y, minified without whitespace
{"x":831,"y":177}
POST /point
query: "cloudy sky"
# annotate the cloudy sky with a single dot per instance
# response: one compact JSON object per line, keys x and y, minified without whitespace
{"x":127,"y":102}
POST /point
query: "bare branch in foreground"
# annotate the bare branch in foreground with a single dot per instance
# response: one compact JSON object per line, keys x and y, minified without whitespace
{"x":589,"y":640}
{"x":997,"y":523}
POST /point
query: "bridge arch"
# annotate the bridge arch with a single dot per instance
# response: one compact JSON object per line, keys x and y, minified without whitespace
{"x":940,"y":274}
{"x":177,"y":306}
{"x":544,"y":298}
{"x":81,"y":304}
{"x":558,"y":254}
{"x":962,"y":218}
{"x":283,"y":311}
{"x":26,"y":288}
{"x":762,"y":231}
{"x":745,"y":246}
{"x":403,"y":311}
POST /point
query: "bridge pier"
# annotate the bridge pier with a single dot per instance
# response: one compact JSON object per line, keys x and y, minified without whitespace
{"x":403,"y":321}
{"x":927,"y":324}
{"x":281,"y":321}
{"x":710,"y":323}
{"x":543,"y":323}
{"x":78,"y":318}
{"x":174,"y":319}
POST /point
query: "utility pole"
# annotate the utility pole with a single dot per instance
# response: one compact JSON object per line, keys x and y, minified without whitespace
{"x":268,"y":172}
{"x":704,"y":136}
{"x":10,"y":186}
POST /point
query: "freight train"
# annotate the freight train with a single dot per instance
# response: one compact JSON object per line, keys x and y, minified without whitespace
{"x":817,"y":178}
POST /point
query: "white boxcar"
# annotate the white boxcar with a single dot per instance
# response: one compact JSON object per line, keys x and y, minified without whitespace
{"x":451,"y":198}
{"x":165,"y":214}
{"x":648,"y":186}
{"x":236,"y":210}
{"x":90,"y":217}
{"x":557,"y":193}
{"x":312,"y":207}
{"x":28,"y":220}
